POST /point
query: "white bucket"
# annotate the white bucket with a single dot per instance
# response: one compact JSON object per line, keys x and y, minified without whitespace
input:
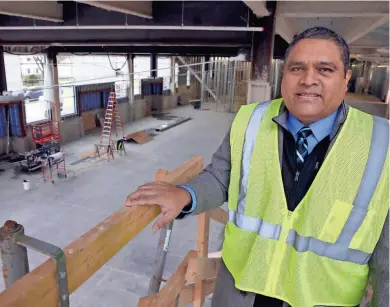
{"x":26,"y":185}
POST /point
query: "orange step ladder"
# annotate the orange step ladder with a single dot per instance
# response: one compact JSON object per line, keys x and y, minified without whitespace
{"x":111,"y":118}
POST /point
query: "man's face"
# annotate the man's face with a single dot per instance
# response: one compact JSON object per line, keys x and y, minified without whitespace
{"x":314,"y":82}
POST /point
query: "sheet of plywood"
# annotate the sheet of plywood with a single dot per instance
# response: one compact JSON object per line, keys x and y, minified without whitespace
{"x":140,"y":137}
{"x":89,"y":122}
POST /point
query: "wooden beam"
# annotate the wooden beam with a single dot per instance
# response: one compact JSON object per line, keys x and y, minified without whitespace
{"x":203,"y":249}
{"x":88,"y":253}
{"x":202,"y":268}
{"x":168,"y":294}
{"x":187,"y":294}
{"x":220,"y":215}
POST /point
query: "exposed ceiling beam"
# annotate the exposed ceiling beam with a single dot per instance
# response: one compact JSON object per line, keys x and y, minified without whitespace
{"x":310,"y":9}
{"x":362,"y":27}
{"x":137,"y":8}
{"x":258,"y":8}
{"x":44,"y":10}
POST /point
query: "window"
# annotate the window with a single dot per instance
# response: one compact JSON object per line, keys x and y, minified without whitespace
{"x":67,"y":100}
{"x":28,"y":70}
{"x":141,"y":71}
{"x":37,"y":110}
{"x":164,"y":70}
{"x":36,"y":70}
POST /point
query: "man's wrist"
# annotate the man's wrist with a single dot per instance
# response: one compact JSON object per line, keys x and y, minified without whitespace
{"x":191,"y":206}
{"x":187,"y":207}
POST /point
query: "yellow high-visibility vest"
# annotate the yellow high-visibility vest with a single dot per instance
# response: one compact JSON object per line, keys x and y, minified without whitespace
{"x":319,"y":253}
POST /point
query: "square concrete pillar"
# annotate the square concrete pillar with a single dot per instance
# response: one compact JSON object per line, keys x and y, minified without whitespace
{"x":258,"y":91}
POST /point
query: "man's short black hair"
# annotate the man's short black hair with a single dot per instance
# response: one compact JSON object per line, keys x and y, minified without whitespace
{"x":326,"y":34}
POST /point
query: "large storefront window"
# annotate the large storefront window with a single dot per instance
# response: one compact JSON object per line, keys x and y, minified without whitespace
{"x":141,"y":71}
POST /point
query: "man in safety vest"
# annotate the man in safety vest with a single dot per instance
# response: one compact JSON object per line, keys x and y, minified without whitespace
{"x":307,"y":184}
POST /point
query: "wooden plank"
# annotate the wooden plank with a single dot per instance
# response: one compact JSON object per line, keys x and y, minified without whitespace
{"x":160,"y":174}
{"x":203,"y":249}
{"x":167,"y":295}
{"x":88,"y":253}
{"x":220,"y":215}
{"x":187,"y":294}
{"x":203,"y":268}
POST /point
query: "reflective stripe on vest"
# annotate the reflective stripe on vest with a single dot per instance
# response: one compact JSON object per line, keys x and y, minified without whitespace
{"x":340,"y":249}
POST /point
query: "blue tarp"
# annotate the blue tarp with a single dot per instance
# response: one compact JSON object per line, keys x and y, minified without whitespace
{"x":90,"y":101}
{"x":14,"y":120}
{"x":15,"y":124}
{"x":3,"y":127}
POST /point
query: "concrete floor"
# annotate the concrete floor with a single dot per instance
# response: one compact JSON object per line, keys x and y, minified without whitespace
{"x":61,"y":212}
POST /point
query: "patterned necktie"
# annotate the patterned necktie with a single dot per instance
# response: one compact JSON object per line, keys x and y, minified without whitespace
{"x":301,"y":146}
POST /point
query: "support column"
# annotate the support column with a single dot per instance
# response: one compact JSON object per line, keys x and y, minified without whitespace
{"x":3,"y":77}
{"x":52,"y":89}
{"x":13,"y":256}
{"x":202,"y":89}
{"x":263,"y":45}
{"x":153,"y":65}
{"x":130,"y":88}
{"x":173,"y":75}
{"x":261,"y":56}
{"x":130,"y":67}
{"x":366,"y":76}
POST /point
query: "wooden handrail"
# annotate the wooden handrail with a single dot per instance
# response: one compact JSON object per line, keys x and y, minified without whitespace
{"x":91,"y":251}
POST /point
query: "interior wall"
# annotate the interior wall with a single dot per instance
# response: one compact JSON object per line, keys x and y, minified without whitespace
{"x":72,"y":128}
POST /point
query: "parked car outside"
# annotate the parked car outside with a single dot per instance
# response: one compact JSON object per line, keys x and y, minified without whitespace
{"x":32,"y":93}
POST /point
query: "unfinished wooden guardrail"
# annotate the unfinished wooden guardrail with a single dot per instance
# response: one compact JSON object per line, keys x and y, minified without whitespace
{"x":88,"y":253}
{"x":196,"y":275}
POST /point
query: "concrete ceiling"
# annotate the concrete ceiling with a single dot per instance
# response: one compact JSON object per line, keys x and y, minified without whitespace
{"x":363,"y":24}
{"x":53,"y":11}
{"x":136,"y":8}
{"x":41,"y":10}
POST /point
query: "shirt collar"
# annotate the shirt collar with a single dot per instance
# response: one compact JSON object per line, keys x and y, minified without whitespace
{"x":329,"y":125}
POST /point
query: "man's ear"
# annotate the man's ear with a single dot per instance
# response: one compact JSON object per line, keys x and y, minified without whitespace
{"x":348,"y":76}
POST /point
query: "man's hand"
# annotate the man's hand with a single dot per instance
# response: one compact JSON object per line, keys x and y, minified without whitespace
{"x":170,"y":198}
